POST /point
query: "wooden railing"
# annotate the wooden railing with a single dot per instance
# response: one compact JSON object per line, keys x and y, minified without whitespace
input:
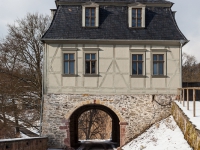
{"x":181,"y":93}
{"x":37,"y":143}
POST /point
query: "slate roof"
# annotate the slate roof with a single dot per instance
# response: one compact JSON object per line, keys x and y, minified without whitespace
{"x":113,"y":24}
{"x":151,"y":1}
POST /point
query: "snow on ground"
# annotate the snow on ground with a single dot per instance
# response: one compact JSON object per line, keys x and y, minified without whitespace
{"x":19,"y":139}
{"x":32,"y":129}
{"x":23,"y":135}
{"x":96,"y":140}
{"x":189,"y":113}
{"x":164,"y":135}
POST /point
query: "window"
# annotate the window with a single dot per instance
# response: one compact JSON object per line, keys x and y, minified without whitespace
{"x":158,"y":64}
{"x":90,"y":14}
{"x":137,"y":64}
{"x":90,"y":63}
{"x":69,"y":63}
{"x":136,"y":17}
{"x":90,"y":17}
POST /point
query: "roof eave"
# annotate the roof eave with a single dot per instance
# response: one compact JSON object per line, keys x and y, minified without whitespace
{"x":118,"y":41}
{"x":184,"y":42}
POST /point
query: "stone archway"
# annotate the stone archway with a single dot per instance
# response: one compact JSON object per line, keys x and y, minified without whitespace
{"x":73,"y":124}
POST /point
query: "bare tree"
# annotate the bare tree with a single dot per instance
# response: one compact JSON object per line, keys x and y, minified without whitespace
{"x":190,"y":69}
{"x":94,"y":124}
{"x":21,"y":53}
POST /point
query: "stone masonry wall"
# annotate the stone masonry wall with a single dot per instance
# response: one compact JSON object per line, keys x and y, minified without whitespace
{"x":139,"y":111}
{"x":191,"y":134}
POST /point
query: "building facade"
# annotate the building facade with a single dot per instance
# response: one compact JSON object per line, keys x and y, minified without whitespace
{"x":119,"y":56}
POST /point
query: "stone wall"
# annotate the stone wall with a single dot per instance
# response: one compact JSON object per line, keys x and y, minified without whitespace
{"x":135,"y":112}
{"x":191,"y":134}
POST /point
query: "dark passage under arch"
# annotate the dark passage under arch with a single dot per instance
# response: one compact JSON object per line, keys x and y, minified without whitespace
{"x":74,"y":123}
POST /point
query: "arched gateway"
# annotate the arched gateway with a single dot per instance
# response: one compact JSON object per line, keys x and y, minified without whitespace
{"x":73,"y":123}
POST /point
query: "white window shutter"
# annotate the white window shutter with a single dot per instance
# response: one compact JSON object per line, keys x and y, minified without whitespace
{"x":143,"y":17}
{"x":97,"y":17}
{"x":130,"y":17}
{"x":83,"y":16}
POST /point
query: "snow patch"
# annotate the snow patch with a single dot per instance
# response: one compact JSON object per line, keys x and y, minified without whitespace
{"x":23,"y":135}
{"x":189,"y":113}
{"x":164,"y":135}
{"x":19,"y":139}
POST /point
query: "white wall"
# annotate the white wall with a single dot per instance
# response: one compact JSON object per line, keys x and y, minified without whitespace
{"x":114,"y":70}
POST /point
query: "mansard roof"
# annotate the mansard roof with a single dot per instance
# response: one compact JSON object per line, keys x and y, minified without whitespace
{"x":131,"y":1}
{"x":113,"y":24}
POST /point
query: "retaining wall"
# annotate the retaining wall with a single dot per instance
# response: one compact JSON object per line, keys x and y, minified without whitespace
{"x":191,"y":134}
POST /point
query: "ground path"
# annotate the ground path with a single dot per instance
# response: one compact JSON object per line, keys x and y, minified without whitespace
{"x":96,"y":145}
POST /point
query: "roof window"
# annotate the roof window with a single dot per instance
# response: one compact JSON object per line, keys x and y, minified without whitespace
{"x":90,"y":15}
{"x":136,"y":15}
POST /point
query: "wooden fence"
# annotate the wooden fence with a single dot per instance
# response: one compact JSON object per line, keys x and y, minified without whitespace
{"x":184,"y":92}
{"x":38,"y":143}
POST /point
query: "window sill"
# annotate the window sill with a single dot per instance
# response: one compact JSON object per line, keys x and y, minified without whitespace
{"x":91,"y":75}
{"x":90,"y":27}
{"x":136,"y":27}
{"x":158,"y":76}
{"x":69,"y":75}
{"x":137,"y":76}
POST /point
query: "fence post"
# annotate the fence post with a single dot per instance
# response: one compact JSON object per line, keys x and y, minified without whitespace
{"x":180,"y":95}
{"x":194,"y":105}
{"x":183,"y":98}
{"x":187,"y":99}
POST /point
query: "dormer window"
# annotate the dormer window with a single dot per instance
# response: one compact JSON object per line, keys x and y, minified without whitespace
{"x":90,"y":14}
{"x":136,"y":15}
{"x":90,"y":17}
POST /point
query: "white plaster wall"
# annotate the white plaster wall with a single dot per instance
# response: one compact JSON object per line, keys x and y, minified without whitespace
{"x":114,"y":71}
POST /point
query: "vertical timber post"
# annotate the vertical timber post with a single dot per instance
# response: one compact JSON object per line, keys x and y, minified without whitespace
{"x":187,"y":99}
{"x":194,"y":105}
{"x":183,"y":97}
{"x":180,"y":95}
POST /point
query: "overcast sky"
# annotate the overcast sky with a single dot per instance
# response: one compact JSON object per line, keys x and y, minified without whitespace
{"x":187,"y":17}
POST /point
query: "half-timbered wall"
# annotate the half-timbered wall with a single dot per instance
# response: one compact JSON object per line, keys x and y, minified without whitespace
{"x":114,"y":67}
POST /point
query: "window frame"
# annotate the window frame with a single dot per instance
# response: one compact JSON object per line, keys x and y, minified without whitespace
{"x":159,"y":52}
{"x":137,"y":62}
{"x":90,"y":63}
{"x":69,"y":51}
{"x":158,"y":62}
{"x":136,"y":18}
{"x":91,"y":51}
{"x":69,"y":60}
{"x":90,"y":5}
{"x":130,"y":17}
{"x":138,"y":52}
{"x":90,"y":16}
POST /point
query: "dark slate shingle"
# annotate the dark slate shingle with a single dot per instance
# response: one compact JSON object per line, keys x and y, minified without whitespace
{"x":113,"y":24}
{"x":149,"y":1}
